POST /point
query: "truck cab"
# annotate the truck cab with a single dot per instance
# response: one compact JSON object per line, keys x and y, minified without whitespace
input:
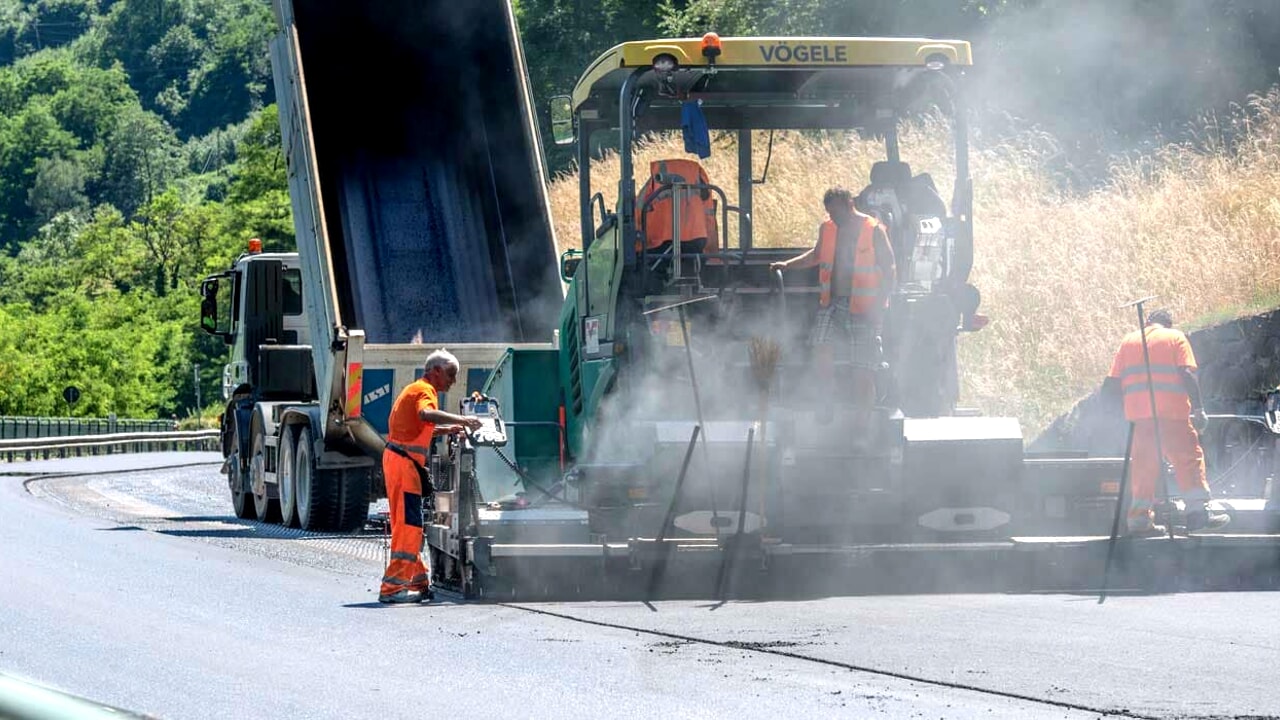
{"x":230,"y":302}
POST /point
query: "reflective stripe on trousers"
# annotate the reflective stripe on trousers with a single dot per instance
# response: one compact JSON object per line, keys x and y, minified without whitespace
{"x":1181,"y":446}
{"x":404,"y":500}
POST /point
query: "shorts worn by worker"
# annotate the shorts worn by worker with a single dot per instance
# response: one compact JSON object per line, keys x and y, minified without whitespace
{"x":1181,"y":446}
{"x":864,"y":335}
{"x":406,"y":571}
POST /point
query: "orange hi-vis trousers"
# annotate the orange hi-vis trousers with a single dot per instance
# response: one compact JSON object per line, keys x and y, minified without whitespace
{"x":406,"y":571}
{"x":1181,"y":446}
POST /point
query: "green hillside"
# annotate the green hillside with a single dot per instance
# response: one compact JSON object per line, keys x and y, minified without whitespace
{"x":138,"y":149}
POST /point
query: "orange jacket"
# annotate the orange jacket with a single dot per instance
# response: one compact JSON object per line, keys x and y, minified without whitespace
{"x":1169,"y":350}
{"x":866,"y":273}
{"x":404,"y":427}
{"x":697,"y":215}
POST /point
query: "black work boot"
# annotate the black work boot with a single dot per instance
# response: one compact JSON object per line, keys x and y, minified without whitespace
{"x":403,"y":597}
{"x":1205,"y":518}
{"x":1145,"y":526}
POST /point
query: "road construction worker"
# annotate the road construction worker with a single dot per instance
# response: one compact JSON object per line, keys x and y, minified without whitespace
{"x":856,"y":276}
{"x":1179,"y":414}
{"x":416,"y":418}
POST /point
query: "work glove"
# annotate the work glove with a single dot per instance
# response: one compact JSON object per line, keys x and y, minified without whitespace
{"x":1199,"y":420}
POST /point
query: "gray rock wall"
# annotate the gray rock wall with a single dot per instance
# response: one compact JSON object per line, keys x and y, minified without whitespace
{"x":1239,"y":361}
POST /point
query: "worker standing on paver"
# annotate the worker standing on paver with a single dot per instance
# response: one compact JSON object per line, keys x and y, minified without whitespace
{"x":416,"y":418}
{"x":856,"y":276}
{"x":1178,"y":413}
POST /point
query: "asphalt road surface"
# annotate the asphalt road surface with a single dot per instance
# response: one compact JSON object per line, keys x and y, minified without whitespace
{"x":125,"y":579}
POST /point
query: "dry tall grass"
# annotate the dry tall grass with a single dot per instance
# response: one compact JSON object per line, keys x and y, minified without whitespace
{"x":1200,"y":227}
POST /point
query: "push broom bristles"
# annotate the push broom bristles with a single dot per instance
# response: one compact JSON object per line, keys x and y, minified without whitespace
{"x":764,"y":361}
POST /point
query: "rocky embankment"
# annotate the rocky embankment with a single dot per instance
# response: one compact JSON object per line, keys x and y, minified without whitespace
{"x":1239,"y":361}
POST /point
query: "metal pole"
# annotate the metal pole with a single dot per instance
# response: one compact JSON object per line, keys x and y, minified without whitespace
{"x":891,"y":151}
{"x":1162,"y":474}
{"x":584,"y":185}
{"x":745,"y":192}
{"x":1115,"y":523}
{"x":782,"y":294}
{"x":735,"y":542}
{"x":627,"y":183}
{"x":697,"y":405}
{"x":199,"y":410}
{"x":661,"y":566}
{"x":678,"y":193}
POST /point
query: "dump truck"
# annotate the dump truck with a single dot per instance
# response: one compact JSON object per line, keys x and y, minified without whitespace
{"x":417,"y":186}
{"x":675,"y":437}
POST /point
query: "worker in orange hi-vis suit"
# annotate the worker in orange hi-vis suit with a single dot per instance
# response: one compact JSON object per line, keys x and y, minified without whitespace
{"x":1177,"y":413}
{"x":416,"y":418}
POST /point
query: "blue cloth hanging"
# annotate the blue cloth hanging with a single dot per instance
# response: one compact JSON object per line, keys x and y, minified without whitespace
{"x":697,"y":138}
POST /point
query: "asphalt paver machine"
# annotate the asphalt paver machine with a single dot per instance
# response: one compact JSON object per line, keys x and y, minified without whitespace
{"x":676,"y":440}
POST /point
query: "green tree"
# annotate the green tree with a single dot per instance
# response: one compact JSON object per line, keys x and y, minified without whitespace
{"x":235,"y":78}
{"x":27,"y":27}
{"x":174,"y":57}
{"x":142,"y":158}
{"x":951,"y":18}
{"x":110,"y":257}
{"x":58,"y":188}
{"x":562,"y":37}
{"x":91,"y":102}
{"x":178,"y":238}
{"x":33,"y":134}
{"x":259,"y":192}
{"x":130,"y":31}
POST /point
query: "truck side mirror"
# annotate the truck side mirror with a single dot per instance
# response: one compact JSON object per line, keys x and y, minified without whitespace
{"x":212,"y":321}
{"x":569,"y":262}
{"x":562,"y":119}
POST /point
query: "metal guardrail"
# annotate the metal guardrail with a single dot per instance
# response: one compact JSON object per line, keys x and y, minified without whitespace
{"x":38,"y":427}
{"x":26,"y":449}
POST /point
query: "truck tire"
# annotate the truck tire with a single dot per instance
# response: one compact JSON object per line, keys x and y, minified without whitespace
{"x":314,"y":503}
{"x":285,"y":477}
{"x":241,"y":499}
{"x":353,"y":509}
{"x":266,"y":508}
{"x":327,"y":500}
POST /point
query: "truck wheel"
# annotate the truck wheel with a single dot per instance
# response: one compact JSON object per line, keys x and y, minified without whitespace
{"x":327,"y":500}
{"x":313,"y":512}
{"x":353,"y":508}
{"x":284,"y":478}
{"x":266,"y":508}
{"x":241,"y":500}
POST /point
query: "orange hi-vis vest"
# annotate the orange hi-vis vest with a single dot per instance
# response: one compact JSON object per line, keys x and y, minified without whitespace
{"x":697,"y":216}
{"x":866,"y":273}
{"x":408,"y":430}
{"x":1169,"y":350}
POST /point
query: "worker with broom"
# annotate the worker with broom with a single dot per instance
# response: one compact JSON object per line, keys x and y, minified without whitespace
{"x":1162,"y":399}
{"x":856,"y":274}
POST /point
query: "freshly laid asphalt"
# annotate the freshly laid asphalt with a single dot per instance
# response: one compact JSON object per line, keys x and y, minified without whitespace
{"x":125,"y":579}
